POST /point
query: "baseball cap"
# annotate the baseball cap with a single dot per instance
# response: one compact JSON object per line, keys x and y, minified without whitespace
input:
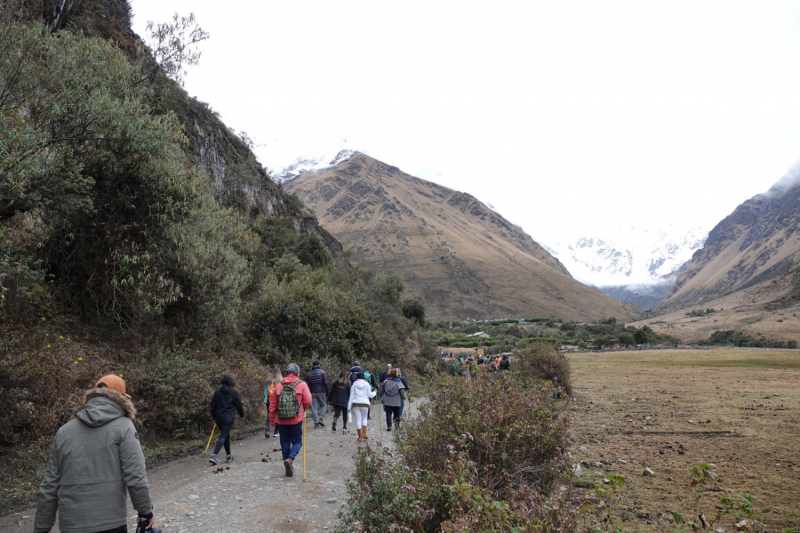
{"x":113,"y":382}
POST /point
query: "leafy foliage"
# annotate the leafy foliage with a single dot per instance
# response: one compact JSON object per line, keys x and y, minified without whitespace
{"x":544,"y":362}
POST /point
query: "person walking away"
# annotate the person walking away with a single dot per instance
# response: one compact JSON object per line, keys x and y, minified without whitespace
{"x":354,"y":371}
{"x":286,"y":413}
{"x":454,"y":368}
{"x":274,"y":378}
{"x":407,"y":389}
{"x":338,"y":397}
{"x":505,"y":364}
{"x":360,"y":395}
{"x":385,"y":374}
{"x":96,"y":458}
{"x":317,"y":381}
{"x":392,"y":395}
{"x":224,"y":405}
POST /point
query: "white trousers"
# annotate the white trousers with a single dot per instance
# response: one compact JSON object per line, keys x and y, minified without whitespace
{"x":361,"y":416}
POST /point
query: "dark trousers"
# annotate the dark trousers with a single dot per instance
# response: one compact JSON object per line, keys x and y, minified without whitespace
{"x":390,"y":411}
{"x":340,"y":410}
{"x":120,"y":529}
{"x":224,"y":438}
{"x":291,"y":439}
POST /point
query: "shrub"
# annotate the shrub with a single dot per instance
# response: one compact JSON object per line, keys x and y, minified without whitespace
{"x":511,"y":430}
{"x":544,"y":362}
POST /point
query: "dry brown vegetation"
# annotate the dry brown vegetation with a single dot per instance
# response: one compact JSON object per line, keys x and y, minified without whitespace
{"x":669,"y":410}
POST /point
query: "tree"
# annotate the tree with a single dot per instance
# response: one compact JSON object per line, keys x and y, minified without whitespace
{"x":174,"y":46}
{"x":414,"y":310}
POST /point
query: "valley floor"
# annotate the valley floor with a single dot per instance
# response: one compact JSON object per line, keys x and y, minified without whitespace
{"x":669,"y":410}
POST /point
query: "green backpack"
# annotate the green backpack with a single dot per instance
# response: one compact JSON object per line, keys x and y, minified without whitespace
{"x":287,"y":402}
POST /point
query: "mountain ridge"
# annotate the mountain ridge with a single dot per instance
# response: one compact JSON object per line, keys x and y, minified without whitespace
{"x":458,"y":256}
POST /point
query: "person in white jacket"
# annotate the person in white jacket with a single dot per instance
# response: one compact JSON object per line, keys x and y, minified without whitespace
{"x":360,"y":394}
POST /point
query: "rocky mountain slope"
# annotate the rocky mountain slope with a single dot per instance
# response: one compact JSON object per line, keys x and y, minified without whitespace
{"x":757,"y":242}
{"x":458,"y":256}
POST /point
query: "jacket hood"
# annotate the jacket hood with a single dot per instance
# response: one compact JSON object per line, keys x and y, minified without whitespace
{"x":291,"y":378}
{"x":104,"y":405}
{"x":392,"y":387}
{"x":227,"y":381}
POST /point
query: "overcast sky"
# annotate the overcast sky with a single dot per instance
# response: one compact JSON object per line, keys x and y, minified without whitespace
{"x":567,"y":116}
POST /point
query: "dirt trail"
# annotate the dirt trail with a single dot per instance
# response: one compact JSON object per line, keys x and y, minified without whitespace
{"x":252,"y":496}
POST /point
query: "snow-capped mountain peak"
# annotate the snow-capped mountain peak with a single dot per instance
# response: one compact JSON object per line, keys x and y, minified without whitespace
{"x":303,"y":164}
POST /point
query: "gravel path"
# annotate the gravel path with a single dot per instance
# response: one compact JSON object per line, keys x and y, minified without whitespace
{"x":249,"y":494}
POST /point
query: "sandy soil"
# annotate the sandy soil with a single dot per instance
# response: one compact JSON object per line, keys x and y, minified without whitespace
{"x":669,"y":410}
{"x":252,"y":495}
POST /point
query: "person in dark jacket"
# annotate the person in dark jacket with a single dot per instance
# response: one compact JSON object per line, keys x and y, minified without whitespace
{"x":224,"y":405}
{"x":338,"y":398}
{"x":96,"y":461}
{"x":354,"y":371}
{"x":317,"y":381}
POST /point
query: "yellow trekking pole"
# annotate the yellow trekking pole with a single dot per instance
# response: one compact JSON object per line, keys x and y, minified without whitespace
{"x":209,"y":437}
{"x":304,"y":447}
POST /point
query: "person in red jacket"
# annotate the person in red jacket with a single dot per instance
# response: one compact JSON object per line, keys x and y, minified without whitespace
{"x":290,"y":429}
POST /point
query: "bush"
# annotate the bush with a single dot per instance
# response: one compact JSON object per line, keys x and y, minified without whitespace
{"x":543,"y":361}
{"x":520,"y":442}
{"x":386,"y":494}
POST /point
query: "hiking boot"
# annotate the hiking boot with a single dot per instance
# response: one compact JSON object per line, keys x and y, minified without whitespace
{"x":321,"y":423}
{"x":333,"y":427}
{"x":213,"y":459}
{"x":388,"y":429}
{"x":316,"y":425}
{"x":288,"y":464}
{"x":229,"y":459}
{"x":345,"y":432}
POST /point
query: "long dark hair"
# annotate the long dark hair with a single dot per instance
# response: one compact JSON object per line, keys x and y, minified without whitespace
{"x":228,"y":381}
{"x":343,"y":378}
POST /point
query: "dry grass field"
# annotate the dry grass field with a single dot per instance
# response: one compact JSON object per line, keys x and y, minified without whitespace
{"x":737,"y":408}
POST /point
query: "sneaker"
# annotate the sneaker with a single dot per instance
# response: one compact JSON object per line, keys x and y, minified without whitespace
{"x":287,"y":463}
{"x":388,"y":429}
{"x":213,"y":459}
{"x":230,"y":458}
{"x":345,"y":432}
{"x":275,"y":434}
{"x":316,"y":425}
{"x":321,"y":423}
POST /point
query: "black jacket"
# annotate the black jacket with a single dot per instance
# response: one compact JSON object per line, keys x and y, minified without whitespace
{"x":223,"y":404}
{"x":317,"y":381}
{"x":339,"y":394}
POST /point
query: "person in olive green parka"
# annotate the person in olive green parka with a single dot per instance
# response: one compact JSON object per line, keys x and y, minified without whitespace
{"x":96,"y":458}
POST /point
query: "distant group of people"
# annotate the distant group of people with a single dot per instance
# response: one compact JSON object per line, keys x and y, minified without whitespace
{"x":465,"y":366}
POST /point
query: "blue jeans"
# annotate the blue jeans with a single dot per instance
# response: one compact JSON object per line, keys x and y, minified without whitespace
{"x":391,"y":410}
{"x":401,"y":411}
{"x":317,"y":403}
{"x":291,"y":439}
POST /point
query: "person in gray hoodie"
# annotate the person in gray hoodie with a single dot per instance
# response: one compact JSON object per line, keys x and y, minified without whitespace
{"x":393,"y":394}
{"x":96,"y":458}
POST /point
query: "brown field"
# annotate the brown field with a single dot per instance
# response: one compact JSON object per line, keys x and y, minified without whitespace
{"x":737,"y":408}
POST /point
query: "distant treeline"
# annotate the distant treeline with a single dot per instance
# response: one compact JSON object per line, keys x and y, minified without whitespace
{"x":731,"y":337}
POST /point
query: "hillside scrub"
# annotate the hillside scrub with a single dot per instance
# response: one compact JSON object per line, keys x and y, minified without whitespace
{"x":544,"y":362}
{"x":740,"y":339}
{"x":120,"y":254}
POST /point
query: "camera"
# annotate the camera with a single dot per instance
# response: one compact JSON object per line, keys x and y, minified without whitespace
{"x":140,"y":528}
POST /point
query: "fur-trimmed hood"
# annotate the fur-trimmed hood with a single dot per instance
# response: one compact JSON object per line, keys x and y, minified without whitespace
{"x":104,"y":405}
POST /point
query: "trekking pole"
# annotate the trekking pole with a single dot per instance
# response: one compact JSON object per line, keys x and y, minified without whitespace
{"x":209,"y":437}
{"x":380,"y":427}
{"x":304,"y":447}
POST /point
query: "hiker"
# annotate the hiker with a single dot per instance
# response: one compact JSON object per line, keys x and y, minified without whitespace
{"x":287,"y":413}
{"x":317,"y":381}
{"x":454,"y":368}
{"x":407,"y":389}
{"x":96,"y":460}
{"x":361,"y":394}
{"x":338,"y":397}
{"x":354,"y":371}
{"x":385,"y":374}
{"x":392,"y":395}
{"x":224,"y":405}
{"x":505,"y":364}
{"x":269,"y":396}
